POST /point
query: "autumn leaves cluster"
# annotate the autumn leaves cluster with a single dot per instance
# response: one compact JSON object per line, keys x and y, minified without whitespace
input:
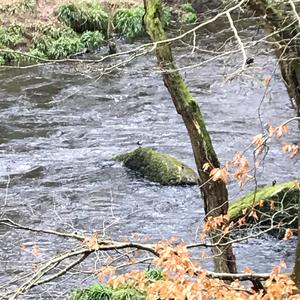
{"x":184,"y":279}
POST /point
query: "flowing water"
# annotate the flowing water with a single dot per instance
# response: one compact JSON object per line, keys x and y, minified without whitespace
{"x":59,"y":130}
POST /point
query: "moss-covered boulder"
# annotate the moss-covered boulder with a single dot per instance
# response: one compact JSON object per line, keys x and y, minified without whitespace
{"x":158,"y":167}
{"x":271,"y":205}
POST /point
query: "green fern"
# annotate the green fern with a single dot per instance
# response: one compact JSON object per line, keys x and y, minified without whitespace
{"x":92,"y":39}
{"x":93,"y":292}
{"x":187,"y":8}
{"x":154,"y":274}
{"x":83,"y":16}
{"x":56,"y":43}
{"x":11,"y":36}
{"x":188,"y":14}
{"x":129,"y":21}
{"x":128,"y":292}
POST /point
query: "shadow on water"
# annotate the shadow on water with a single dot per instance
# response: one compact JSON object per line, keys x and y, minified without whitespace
{"x":59,"y":131}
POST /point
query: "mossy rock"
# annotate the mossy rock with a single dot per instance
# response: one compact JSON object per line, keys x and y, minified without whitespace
{"x":158,"y":167}
{"x":278,"y":203}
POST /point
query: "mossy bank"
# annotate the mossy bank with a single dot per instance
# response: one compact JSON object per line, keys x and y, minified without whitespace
{"x":158,"y":167}
{"x":275,"y":206}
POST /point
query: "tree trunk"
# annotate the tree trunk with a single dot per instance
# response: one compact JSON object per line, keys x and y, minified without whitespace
{"x":296,"y":272}
{"x":279,"y":18}
{"x":214,"y":193}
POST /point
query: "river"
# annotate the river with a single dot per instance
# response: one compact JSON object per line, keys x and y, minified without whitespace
{"x":60,"y":128}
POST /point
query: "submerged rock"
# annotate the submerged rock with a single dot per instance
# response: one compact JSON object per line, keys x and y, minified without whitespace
{"x":276,"y":204}
{"x":158,"y":167}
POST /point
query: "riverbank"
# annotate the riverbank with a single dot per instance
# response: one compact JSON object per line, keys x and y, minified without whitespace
{"x":32,"y":29}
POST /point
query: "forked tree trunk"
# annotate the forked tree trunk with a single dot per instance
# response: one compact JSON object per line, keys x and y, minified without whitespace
{"x":214,"y":193}
{"x":281,"y":21}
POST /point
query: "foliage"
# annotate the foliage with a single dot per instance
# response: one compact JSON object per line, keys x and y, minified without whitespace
{"x":92,"y":39}
{"x":107,"y":292}
{"x":83,"y":16}
{"x":178,"y":277}
{"x":28,"y":4}
{"x":128,"y":292}
{"x":189,"y":18}
{"x":55,"y":43}
{"x":188,"y":15}
{"x":11,"y":36}
{"x":2,"y":60}
{"x":187,"y":8}
{"x":154,"y":274}
{"x":10,"y":56}
{"x":129,"y":21}
{"x":93,"y":292}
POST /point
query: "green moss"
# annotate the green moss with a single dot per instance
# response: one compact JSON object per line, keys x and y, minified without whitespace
{"x":84,"y":16}
{"x":279,"y":202}
{"x":187,"y":102}
{"x":158,"y":167}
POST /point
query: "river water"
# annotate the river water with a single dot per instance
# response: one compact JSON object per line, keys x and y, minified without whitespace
{"x":59,"y":130}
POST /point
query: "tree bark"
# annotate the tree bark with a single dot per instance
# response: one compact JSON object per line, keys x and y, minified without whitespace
{"x":214,"y":193}
{"x":280,"y":20}
{"x":296,"y":271}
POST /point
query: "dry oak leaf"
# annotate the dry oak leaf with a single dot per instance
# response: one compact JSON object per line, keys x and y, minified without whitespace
{"x":259,"y":141}
{"x":22,"y":246}
{"x":36,"y":251}
{"x":281,"y":130}
{"x":288,"y":234}
{"x":292,"y":149}
{"x":266,"y":81}
{"x":205,"y":167}
{"x":219,"y":174}
{"x":253,"y":214}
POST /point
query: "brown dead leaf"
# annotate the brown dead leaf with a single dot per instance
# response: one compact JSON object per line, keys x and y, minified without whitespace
{"x":22,"y":246}
{"x":288,"y":234}
{"x":36,"y":251}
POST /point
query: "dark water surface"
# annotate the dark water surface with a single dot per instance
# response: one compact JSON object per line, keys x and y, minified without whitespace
{"x":59,"y":130}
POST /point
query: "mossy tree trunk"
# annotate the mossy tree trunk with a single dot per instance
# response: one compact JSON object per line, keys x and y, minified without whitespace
{"x":214,"y":193}
{"x":280,"y":20}
{"x":296,"y":272}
